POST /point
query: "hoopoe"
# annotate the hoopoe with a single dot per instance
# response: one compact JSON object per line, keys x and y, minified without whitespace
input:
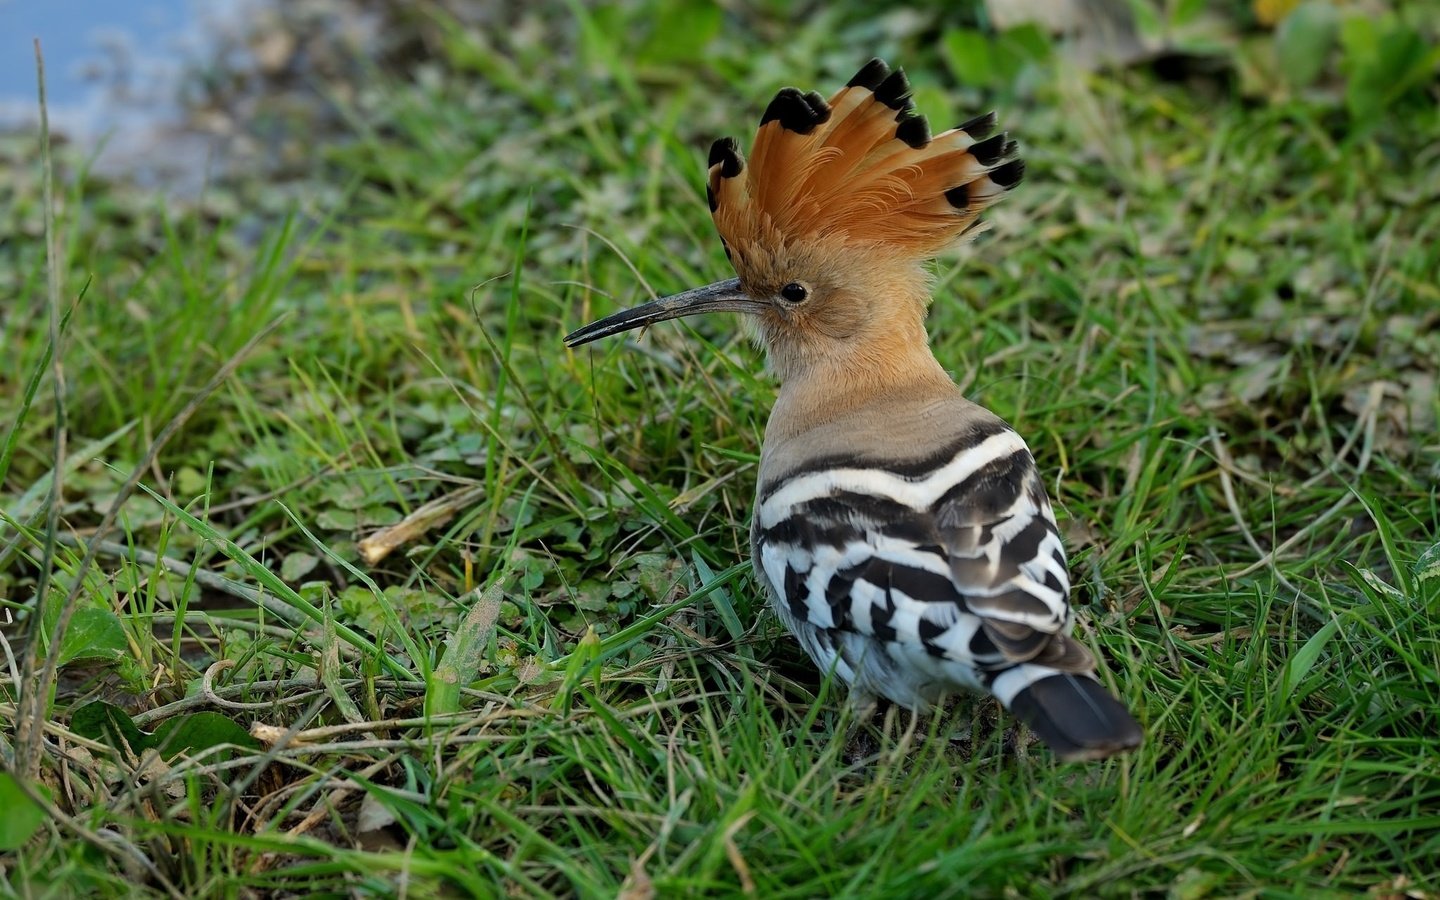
{"x":902,"y":531}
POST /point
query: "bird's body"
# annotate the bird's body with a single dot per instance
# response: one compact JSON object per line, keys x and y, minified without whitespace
{"x":903,"y":532}
{"x":847,"y":534}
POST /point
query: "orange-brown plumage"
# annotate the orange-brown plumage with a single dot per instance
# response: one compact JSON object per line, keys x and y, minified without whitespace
{"x":859,"y":170}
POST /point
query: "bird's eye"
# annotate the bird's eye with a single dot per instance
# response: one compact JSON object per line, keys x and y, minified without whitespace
{"x":794,"y":292}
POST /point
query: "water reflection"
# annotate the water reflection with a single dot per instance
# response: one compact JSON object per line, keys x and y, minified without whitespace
{"x":114,"y":75}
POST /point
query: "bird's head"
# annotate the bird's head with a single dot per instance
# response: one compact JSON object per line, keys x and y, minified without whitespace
{"x":831,"y":220}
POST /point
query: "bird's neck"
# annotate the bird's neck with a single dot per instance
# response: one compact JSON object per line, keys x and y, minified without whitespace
{"x":829,"y":387}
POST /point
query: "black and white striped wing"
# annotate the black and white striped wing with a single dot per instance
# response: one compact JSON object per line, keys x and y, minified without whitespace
{"x":954,"y":561}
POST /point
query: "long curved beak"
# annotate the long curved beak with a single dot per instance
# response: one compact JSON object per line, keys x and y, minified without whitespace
{"x":722,"y":296}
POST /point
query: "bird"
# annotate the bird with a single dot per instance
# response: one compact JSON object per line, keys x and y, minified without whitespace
{"x":902,"y":532}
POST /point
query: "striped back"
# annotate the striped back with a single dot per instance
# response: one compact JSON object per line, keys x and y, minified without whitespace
{"x":910,"y":537}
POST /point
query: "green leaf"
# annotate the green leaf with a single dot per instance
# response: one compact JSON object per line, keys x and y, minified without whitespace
{"x":967,"y":52}
{"x":1360,"y":40}
{"x":191,"y":733}
{"x":994,"y":60}
{"x":1026,"y":43}
{"x":378,"y":515}
{"x":591,"y":595}
{"x":1304,"y":40}
{"x":109,"y":724}
{"x":1427,"y":566}
{"x":657,"y":574}
{"x":199,"y":731}
{"x":297,"y":565}
{"x":1383,"y":60}
{"x":938,"y":104}
{"x":532,"y":574}
{"x":21,"y":817}
{"x":681,"y":31}
{"x":337,"y":519}
{"x":190,"y":481}
{"x":94,"y":633}
{"x":1187,"y":11}
{"x":1146,"y":18}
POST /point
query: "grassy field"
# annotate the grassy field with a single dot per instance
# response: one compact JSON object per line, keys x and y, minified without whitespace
{"x":1211,"y":308}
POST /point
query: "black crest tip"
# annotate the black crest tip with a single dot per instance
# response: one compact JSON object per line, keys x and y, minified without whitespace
{"x":914,"y":131}
{"x":959,"y":196}
{"x":793,"y":110}
{"x":1008,"y":175}
{"x":721,"y":148}
{"x":894,"y":91}
{"x":819,"y":108}
{"x":726,"y":152}
{"x":993,"y":149}
{"x":980,"y":127}
{"x":870,"y":75}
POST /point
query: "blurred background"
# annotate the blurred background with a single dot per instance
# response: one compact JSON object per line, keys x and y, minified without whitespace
{"x":219,"y":78}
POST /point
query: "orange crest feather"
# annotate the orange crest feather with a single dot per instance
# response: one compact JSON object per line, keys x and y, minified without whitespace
{"x":861,"y":169}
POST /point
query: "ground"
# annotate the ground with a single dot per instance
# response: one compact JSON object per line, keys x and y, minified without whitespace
{"x":1211,"y":309}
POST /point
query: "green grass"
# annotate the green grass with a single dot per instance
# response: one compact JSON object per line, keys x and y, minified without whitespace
{"x":1213,"y":317}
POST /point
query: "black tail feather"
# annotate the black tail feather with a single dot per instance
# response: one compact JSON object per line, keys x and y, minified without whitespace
{"x":1076,"y":717}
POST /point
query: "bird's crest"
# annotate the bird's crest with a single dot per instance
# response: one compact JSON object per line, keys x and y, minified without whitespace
{"x":861,"y":169}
